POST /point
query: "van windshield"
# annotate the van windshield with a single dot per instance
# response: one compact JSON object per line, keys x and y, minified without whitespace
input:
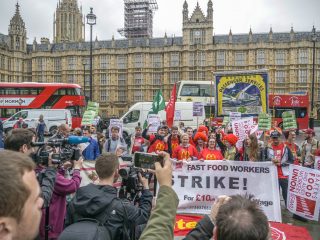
{"x":132,"y":116}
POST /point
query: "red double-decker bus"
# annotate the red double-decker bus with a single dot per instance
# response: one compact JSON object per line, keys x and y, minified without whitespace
{"x":298,"y":102}
{"x":30,"y":95}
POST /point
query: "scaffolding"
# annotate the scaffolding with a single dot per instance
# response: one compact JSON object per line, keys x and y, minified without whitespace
{"x":138,"y":18}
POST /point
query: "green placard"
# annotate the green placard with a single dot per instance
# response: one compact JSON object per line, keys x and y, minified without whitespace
{"x":226,"y":121}
{"x":264,"y":122}
{"x":88,"y":117}
{"x":289,"y":120}
{"x":93,"y":106}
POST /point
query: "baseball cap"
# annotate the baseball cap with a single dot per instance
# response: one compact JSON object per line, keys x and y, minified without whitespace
{"x":275,"y":134}
{"x":308,"y":131}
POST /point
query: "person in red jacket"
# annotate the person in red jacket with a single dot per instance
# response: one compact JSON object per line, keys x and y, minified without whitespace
{"x":137,"y":141}
{"x":157,"y":141}
{"x":211,"y":153}
{"x":185,"y":151}
{"x":173,"y":140}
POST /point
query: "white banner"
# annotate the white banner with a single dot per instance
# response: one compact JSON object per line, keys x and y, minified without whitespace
{"x":241,"y":128}
{"x":15,"y":101}
{"x":198,"y":184}
{"x":304,"y":192}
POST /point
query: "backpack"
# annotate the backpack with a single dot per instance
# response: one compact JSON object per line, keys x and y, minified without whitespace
{"x":92,"y":228}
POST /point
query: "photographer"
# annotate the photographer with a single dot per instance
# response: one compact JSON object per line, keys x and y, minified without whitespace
{"x":20,"y":140}
{"x":57,"y":208}
{"x":96,"y":202}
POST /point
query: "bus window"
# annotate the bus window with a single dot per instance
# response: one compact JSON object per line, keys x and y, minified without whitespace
{"x":205,"y":90}
{"x":75,"y":111}
{"x":190,"y":90}
{"x":301,"y":112}
{"x":132,"y":117}
{"x":78,"y":91}
{"x":199,"y":90}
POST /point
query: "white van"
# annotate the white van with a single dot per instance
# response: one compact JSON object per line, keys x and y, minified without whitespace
{"x":52,"y":117}
{"x":138,"y":113}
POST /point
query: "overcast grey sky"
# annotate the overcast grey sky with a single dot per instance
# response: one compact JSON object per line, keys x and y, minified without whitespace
{"x":238,"y":15}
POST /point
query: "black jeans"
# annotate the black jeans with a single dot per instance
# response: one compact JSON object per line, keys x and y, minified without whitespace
{"x":283,"y":183}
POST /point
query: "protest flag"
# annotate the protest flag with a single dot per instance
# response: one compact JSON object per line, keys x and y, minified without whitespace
{"x":157,"y":105}
{"x":170,"y":108}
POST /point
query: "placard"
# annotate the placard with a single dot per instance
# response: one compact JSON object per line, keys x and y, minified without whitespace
{"x":155,"y":121}
{"x":118,"y":123}
{"x":234,"y":116}
{"x":264,"y":122}
{"x":197,"y":109}
{"x":177,"y":115}
{"x":304,"y":192}
{"x":242,"y":128}
{"x":289,"y":120}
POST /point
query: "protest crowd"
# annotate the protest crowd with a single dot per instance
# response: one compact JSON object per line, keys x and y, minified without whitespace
{"x":46,"y":197}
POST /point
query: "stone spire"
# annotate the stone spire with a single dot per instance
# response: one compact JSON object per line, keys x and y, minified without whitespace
{"x":230,"y":36}
{"x":185,"y":11}
{"x":17,"y":32}
{"x":210,"y":10}
{"x":69,"y":25}
{"x":291,"y":34}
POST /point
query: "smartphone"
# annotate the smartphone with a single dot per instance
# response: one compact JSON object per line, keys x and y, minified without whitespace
{"x":146,"y":160}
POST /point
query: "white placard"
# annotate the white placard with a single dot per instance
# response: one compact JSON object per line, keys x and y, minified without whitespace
{"x":117,"y":123}
{"x":177,"y":115}
{"x":234,"y":116}
{"x":241,"y":128}
{"x":198,"y":184}
{"x":304,"y":192}
{"x":155,"y":121}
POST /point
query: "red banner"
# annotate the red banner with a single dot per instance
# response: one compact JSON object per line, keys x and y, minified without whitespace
{"x":170,"y":108}
{"x":279,"y":231}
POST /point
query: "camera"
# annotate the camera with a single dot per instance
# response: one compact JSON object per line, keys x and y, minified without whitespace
{"x":66,"y":150}
{"x":131,"y":186}
{"x":146,"y":160}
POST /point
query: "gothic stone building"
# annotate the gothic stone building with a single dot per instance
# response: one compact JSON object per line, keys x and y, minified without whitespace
{"x":126,"y":71}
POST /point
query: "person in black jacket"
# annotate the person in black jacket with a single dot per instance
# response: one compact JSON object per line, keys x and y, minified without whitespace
{"x":20,"y":140}
{"x":233,"y":218}
{"x":92,"y":200}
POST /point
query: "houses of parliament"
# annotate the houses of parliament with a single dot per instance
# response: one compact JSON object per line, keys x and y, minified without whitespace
{"x":132,"y":69}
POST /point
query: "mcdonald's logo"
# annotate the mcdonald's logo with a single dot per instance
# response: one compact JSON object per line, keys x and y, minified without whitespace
{"x":160,"y":146}
{"x":184,"y":154}
{"x":211,"y":157}
{"x":174,"y":145}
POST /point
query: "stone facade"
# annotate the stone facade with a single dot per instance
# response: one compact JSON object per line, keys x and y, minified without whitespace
{"x":126,"y":71}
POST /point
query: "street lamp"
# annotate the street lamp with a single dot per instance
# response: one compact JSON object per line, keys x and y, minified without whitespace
{"x":84,"y":63}
{"x":313,"y":39}
{"x":91,"y":20}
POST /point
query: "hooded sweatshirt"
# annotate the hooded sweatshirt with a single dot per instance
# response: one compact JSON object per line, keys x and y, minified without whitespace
{"x":92,"y":200}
